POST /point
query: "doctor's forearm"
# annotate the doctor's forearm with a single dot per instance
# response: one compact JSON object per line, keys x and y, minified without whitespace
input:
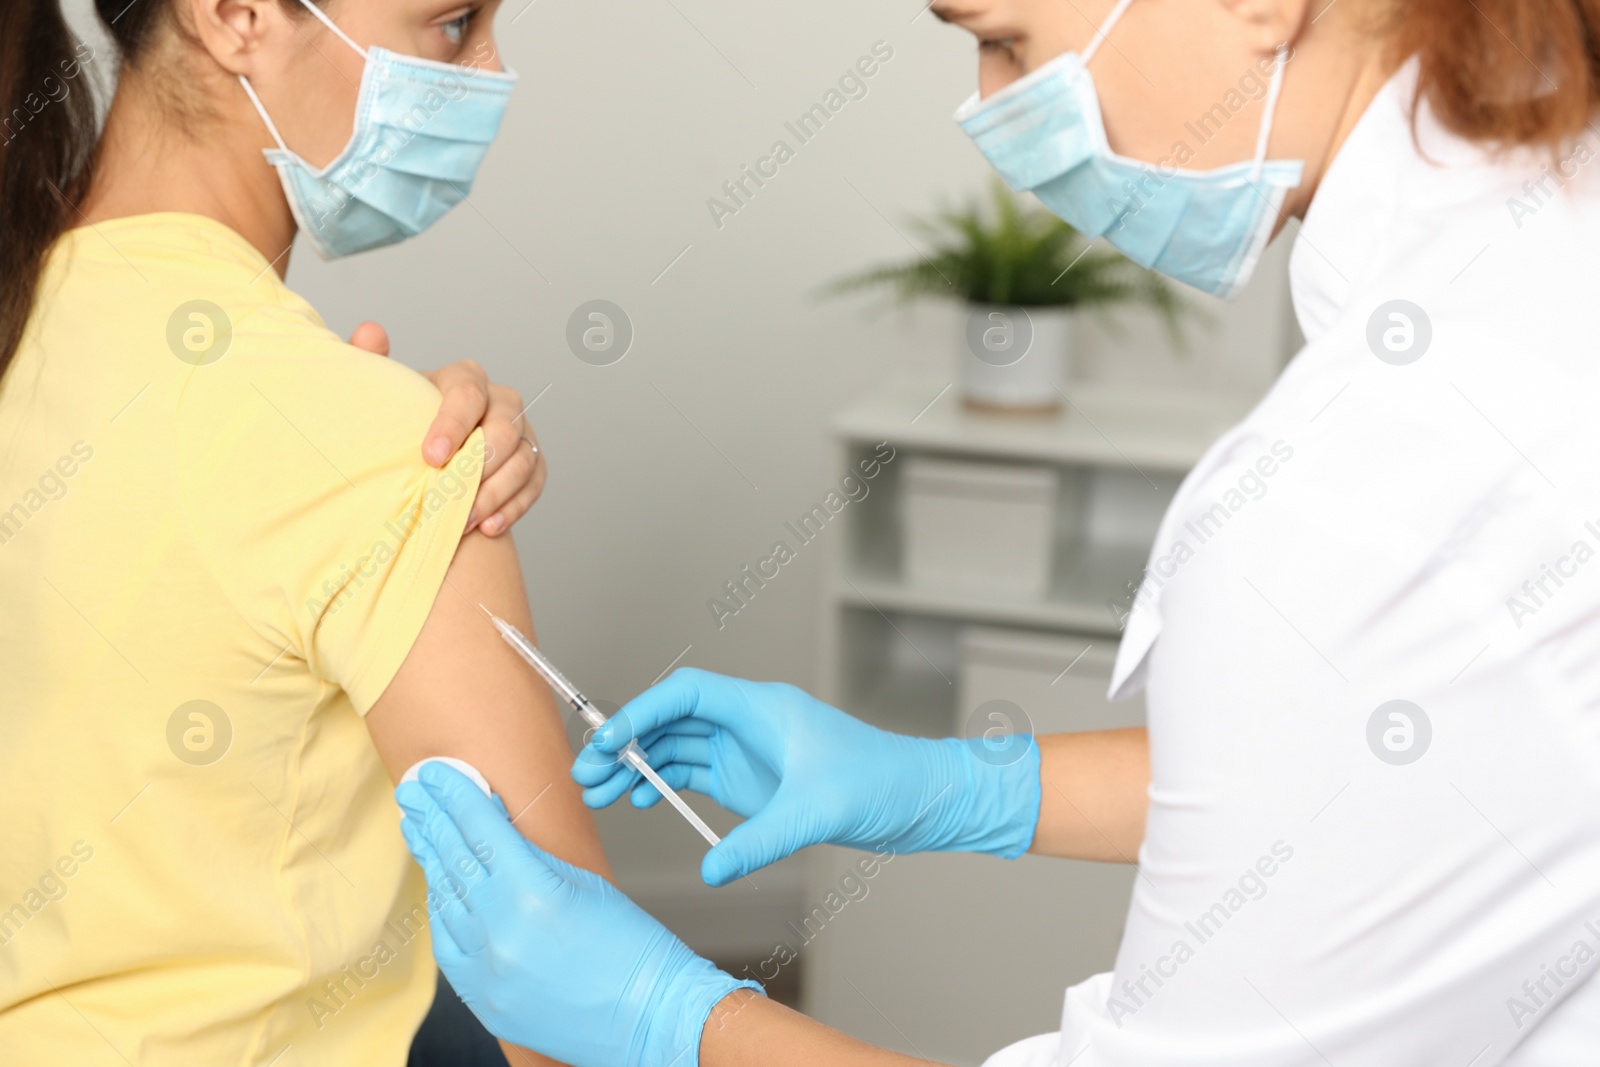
{"x":1093,"y":793}
{"x":746,"y":1029}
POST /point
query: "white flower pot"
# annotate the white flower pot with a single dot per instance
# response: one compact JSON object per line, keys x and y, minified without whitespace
{"x":1015,"y":359}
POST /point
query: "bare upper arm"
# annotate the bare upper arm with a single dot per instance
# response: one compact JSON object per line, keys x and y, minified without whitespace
{"x":462,"y":692}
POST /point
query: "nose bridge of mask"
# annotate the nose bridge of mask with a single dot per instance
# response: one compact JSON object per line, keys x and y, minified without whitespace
{"x":1039,"y":127}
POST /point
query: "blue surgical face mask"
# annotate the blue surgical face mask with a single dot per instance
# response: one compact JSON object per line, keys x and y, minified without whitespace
{"x":421,"y":130}
{"x":1205,"y":228}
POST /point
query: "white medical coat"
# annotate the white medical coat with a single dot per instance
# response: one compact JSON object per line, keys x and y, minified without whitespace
{"x":1385,"y":525}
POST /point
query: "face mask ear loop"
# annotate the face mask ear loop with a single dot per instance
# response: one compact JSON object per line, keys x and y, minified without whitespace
{"x":1273,"y":89}
{"x":256,"y":100}
{"x":262,"y":111}
{"x":1105,"y":28}
{"x":326,"y":21}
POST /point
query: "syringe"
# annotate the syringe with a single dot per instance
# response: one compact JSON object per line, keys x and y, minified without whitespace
{"x":594,"y":717}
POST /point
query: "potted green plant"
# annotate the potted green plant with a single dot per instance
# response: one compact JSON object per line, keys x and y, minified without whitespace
{"x":1024,"y":275}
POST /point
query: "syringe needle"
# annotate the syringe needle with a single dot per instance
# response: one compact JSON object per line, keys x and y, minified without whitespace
{"x":592,"y":715}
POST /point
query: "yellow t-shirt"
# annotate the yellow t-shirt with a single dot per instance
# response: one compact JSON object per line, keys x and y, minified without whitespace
{"x":218,"y":541}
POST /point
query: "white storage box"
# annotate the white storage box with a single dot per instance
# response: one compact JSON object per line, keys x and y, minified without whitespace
{"x":1050,"y":683}
{"x":980,"y":526}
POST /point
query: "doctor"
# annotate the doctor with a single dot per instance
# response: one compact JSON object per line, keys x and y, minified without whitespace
{"x":1367,"y":810}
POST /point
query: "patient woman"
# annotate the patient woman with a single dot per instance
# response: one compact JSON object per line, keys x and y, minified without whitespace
{"x":238,"y":599}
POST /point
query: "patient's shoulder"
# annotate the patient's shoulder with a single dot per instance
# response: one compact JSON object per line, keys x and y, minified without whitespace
{"x":300,"y":474}
{"x":283,"y":361}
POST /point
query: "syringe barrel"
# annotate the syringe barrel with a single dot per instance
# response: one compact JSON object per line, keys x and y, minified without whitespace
{"x":541,"y":663}
{"x":589,"y":713}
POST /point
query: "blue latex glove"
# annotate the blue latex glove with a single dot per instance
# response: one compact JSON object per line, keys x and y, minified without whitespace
{"x":803,"y":773}
{"x":550,"y":956}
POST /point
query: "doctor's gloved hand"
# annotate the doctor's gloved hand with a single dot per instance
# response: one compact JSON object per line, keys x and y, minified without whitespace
{"x":550,"y":956}
{"x":804,"y":773}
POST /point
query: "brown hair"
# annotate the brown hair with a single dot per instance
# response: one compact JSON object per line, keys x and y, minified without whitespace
{"x":47,"y":147}
{"x":48,"y":136}
{"x":1504,"y":72}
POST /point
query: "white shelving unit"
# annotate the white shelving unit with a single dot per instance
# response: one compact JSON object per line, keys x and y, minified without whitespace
{"x":952,"y":957}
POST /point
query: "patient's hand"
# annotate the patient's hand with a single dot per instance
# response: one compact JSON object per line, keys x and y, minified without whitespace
{"x":513,"y":468}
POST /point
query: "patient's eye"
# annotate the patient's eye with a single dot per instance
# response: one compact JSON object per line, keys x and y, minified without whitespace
{"x":455,"y":31}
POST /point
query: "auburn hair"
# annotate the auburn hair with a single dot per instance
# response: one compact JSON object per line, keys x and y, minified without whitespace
{"x":1504,"y":72}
